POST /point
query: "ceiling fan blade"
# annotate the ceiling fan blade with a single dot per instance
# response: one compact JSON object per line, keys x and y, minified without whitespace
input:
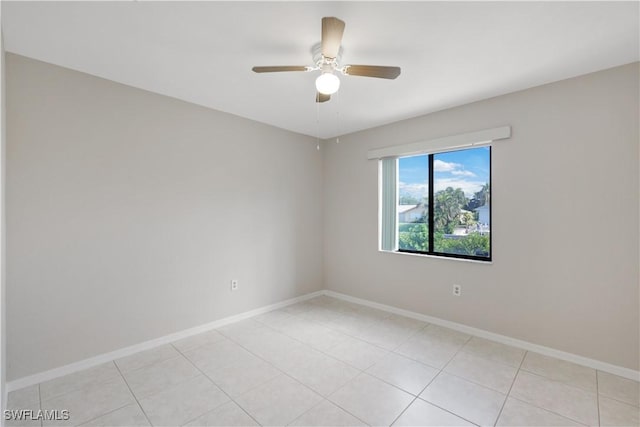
{"x":321,"y":97}
{"x":277,"y":69}
{"x":332,"y":30}
{"x":372,"y":71}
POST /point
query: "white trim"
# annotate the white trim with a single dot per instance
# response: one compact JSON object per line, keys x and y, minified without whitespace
{"x":547,"y":351}
{"x":473,"y":261}
{"x":447,"y":143}
{"x":117,"y":354}
{"x":126,"y":351}
{"x":389,"y":202}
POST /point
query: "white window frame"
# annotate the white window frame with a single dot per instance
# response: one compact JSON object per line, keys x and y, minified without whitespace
{"x":388,"y":176}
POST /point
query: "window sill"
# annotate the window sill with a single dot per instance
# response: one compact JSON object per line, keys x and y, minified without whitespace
{"x":475,"y":261}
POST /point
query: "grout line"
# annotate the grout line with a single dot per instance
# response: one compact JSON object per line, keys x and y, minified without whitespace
{"x":404,"y":410}
{"x":456,"y":353}
{"x":197,"y":346}
{"x":133,"y":394}
{"x":308,"y":410}
{"x":326,"y":399}
{"x":341,"y":387}
{"x":332,"y":295}
{"x":475,"y":383}
{"x":597,"y":392}
{"x":101,"y":359}
{"x":282,"y":372}
{"x":78,"y":388}
{"x":324,"y":352}
{"x":429,"y":383}
{"x":562,"y":383}
{"x":510,"y":388}
{"x":360,"y":371}
{"x":431,"y":403}
{"x":513,"y":382}
{"x":331,"y":327}
{"x":573,"y":420}
{"x":389,"y":352}
{"x":461,"y":350}
{"x":621,"y":371}
{"x":408,"y":338}
{"x":445,"y":410}
{"x":414,"y":399}
{"x":488,"y":359}
{"x":395,"y":386}
{"x":180,"y":382}
{"x":624,"y":402}
{"x":426,"y":364}
{"x":106,"y":413}
{"x":449,"y":411}
{"x":545,"y":379}
{"x":412,"y":335}
{"x":441,"y":371}
{"x":220,"y":388}
{"x":146,"y":365}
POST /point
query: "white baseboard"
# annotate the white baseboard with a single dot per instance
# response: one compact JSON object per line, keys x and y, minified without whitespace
{"x":547,"y":351}
{"x":126,"y":351}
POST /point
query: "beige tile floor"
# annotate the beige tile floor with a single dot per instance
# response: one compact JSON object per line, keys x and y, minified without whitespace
{"x":326,"y":362}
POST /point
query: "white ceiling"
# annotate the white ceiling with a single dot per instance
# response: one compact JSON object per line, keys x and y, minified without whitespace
{"x":451,"y":53}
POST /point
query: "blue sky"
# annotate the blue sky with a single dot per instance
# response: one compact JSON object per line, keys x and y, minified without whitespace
{"x":467,"y":169}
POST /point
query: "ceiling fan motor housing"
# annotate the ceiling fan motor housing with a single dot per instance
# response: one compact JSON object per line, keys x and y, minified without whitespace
{"x":321,"y":61}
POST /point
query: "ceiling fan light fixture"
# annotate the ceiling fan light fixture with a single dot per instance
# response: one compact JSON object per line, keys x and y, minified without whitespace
{"x":327,"y":59}
{"x":327,"y":83}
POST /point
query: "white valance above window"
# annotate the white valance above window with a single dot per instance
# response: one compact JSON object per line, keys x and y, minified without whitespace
{"x":447,"y":143}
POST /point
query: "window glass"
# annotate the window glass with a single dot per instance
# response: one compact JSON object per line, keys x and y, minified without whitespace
{"x":461,"y":190}
{"x":460,"y":224}
{"x":413,"y":203}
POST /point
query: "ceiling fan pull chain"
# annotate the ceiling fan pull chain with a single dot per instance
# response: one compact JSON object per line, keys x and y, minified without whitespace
{"x":338,"y":119}
{"x":318,"y":125}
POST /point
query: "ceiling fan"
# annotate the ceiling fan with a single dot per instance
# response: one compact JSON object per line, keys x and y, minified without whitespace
{"x":326,"y":57}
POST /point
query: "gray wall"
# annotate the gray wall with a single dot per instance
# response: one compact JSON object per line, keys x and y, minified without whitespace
{"x":565,"y":220}
{"x":3,"y":269}
{"x":128,"y":213}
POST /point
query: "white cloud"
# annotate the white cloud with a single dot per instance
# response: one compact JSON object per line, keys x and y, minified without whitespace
{"x":416,"y":189}
{"x":463,"y":173}
{"x":453,"y":168}
{"x":440,"y":166}
{"x":468,"y":187}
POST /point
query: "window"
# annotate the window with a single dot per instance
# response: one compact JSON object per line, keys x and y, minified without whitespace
{"x":442,"y":203}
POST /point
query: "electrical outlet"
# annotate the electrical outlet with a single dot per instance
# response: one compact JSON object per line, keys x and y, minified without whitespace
{"x":234,"y":285}
{"x":457,"y":290}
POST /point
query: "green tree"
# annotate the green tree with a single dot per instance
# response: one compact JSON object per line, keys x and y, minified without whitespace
{"x":414,"y":237}
{"x":468,"y":218}
{"x":472,"y":244}
{"x":479,"y":198}
{"x":446,"y":213}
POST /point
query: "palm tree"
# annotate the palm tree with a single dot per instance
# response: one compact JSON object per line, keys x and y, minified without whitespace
{"x":448,"y":204}
{"x":486,"y":194}
{"x":480,"y":198}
